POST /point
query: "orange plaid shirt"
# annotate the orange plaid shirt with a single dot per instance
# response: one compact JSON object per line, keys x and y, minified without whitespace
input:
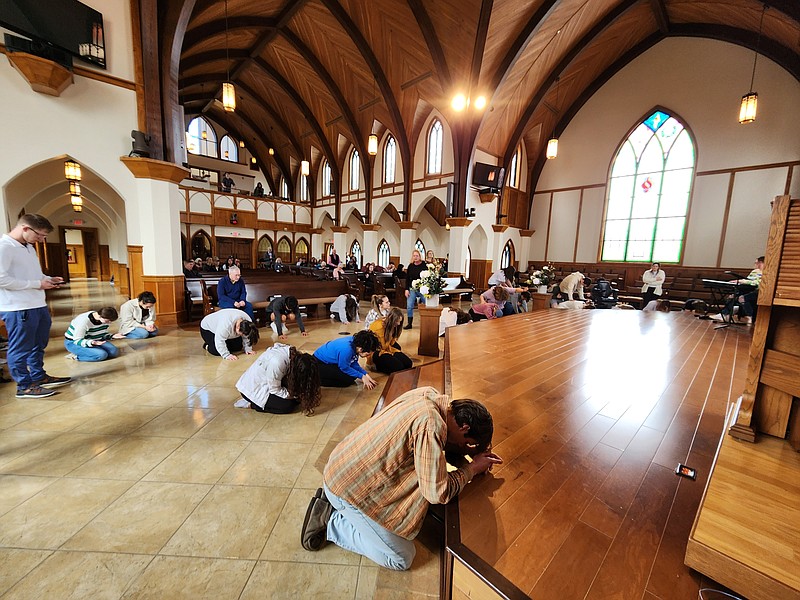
{"x":392,"y":466}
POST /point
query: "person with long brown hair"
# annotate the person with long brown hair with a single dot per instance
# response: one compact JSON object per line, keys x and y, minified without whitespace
{"x":380,"y":308}
{"x":389,"y":358}
{"x":279,"y":381}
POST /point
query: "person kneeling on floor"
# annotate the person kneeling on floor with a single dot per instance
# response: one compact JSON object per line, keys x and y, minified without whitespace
{"x":338,"y":360}
{"x":381,"y":478}
{"x":137,"y":317}
{"x":87,"y":337}
{"x":262,"y":385}
{"x":227,"y":331}
{"x":389,"y":358}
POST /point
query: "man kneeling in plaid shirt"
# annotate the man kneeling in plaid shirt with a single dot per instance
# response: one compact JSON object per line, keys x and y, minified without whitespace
{"x":381,"y":478}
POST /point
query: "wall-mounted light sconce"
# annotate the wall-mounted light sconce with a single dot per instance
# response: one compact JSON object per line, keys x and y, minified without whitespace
{"x":72,"y":171}
{"x":469,"y":212}
{"x":305,"y":167}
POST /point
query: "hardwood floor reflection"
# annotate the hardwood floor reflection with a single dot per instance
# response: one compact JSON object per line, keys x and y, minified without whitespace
{"x":593,"y":411}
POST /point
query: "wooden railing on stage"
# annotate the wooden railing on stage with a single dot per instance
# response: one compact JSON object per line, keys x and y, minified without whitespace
{"x":770,"y":398}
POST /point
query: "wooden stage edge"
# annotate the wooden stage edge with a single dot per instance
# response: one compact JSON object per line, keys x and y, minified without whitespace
{"x":747,"y":531}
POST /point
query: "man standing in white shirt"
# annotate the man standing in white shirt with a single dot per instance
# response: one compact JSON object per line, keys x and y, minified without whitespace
{"x":23,"y":307}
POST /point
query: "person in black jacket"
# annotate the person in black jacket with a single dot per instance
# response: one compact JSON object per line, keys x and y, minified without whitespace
{"x":280,"y":310}
{"x":413,"y":271}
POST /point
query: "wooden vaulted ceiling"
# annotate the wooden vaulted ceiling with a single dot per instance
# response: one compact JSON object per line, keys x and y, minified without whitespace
{"x":315,"y":77}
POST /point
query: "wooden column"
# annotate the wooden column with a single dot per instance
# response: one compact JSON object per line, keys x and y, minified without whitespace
{"x":136,"y":269}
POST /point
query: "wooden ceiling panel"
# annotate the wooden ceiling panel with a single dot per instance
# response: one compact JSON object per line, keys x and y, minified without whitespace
{"x":456,"y":23}
{"x":241,"y":39}
{"x":538,"y":59}
{"x":210,"y":12}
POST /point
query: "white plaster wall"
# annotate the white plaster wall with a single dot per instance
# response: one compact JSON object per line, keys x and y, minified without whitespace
{"x":704,"y":228}
{"x":701,"y":81}
{"x":591,"y":224}
{"x":561,"y":246}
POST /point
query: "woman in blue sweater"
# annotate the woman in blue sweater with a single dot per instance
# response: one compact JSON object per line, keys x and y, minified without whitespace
{"x":338,"y":360}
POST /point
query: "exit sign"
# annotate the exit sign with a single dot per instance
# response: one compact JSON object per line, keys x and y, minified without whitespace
{"x":77,"y":221}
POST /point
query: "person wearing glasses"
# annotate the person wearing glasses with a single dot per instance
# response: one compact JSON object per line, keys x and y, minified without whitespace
{"x":23,"y":307}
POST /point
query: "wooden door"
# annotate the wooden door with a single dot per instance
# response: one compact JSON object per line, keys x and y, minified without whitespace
{"x":91,"y":249}
{"x":236,"y":247}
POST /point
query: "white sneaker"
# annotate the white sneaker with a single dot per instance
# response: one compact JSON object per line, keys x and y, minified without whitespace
{"x":71,"y":356}
{"x":717,"y":317}
{"x":274,"y":328}
{"x":241,"y":403}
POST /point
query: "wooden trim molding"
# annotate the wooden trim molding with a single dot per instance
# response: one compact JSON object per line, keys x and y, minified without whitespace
{"x":150,"y":168}
{"x":340,"y":229}
{"x":488,"y":197}
{"x":527,"y":232}
{"x":44,"y":76}
{"x":499,"y":228}
{"x":459,"y":221}
{"x":169,"y":293}
{"x":370,"y":227}
{"x":407,"y":224}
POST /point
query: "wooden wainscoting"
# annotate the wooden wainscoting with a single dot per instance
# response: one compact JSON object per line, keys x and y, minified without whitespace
{"x":136,"y":269}
{"x":169,"y":293}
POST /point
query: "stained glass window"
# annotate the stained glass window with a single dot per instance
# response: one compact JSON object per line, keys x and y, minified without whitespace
{"x":435,"y":141}
{"x":383,"y":254}
{"x":389,"y":160}
{"x":648,"y":193}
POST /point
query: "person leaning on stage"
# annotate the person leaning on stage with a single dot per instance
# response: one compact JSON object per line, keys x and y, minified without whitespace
{"x":232,"y":292}
{"x":389,"y":358}
{"x":137,"y":317}
{"x":653,"y":279}
{"x":280,"y":310}
{"x":226,"y":331}
{"x":87,"y":338}
{"x":572,"y":283}
{"x":24,"y":309}
{"x":381,"y":478}
{"x":279,"y":381}
{"x":338,"y":360}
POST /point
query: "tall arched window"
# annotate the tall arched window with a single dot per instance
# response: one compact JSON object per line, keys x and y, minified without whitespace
{"x":507,"y":258}
{"x":418,"y":245}
{"x":389,"y":160}
{"x":303,"y":188}
{"x":284,"y":189}
{"x":201,"y":245}
{"x":435,"y":141}
{"x":301,"y":249}
{"x":383,"y":254}
{"x":355,"y":250}
{"x":228,"y":149}
{"x":327,"y":179}
{"x":513,"y":169}
{"x":284,"y":250}
{"x":264,"y":246}
{"x":467,"y":261}
{"x":201,"y":138}
{"x":648,"y":192}
{"x":355,"y":170}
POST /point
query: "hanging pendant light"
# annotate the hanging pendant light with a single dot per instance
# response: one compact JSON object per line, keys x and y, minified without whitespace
{"x":372,"y":144}
{"x":241,"y":143}
{"x":271,"y":151}
{"x":749,"y":105}
{"x":74,"y":188}
{"x":77,"y":203}
{"x":305,"y":167}
{"x":552,"y":143}
{"x":228,"y":91}
{"x":72,"y":171}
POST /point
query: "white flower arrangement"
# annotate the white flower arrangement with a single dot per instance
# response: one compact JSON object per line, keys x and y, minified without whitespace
{"x":430,"y":281}
{"x":543,"y":276}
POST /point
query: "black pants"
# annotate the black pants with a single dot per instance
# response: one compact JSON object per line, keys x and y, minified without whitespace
{"x":389,"y":363}
{"x":649,"y":296}
{"x":234,"y":344}
{"x":476,"y":316}
{"x":275,"y":405}
{"x":332,"y":375}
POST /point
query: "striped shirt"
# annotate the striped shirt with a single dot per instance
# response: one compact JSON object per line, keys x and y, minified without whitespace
{"x":392,"y":466}
{"x":84,"y":330}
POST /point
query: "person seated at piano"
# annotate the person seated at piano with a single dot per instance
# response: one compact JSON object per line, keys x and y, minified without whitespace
{"x":747,"y":294}
{"x":652,"y":279}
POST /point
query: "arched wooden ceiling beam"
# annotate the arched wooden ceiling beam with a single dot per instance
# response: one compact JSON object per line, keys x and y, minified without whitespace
{"x":660,"y":14}
{"x":790,"y":8}
{"x":190,"y":62}
{"x":520,"y":43}
{"x":401,"y":136}
{"x":775,"y":51}
{"x":432,"y":40}
{"x":574,"y":51}
{"x":224,"y":119}
{"x":201,"y":33}
{"x":333,"y":88}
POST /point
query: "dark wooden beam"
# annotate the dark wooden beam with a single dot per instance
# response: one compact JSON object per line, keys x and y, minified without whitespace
{"x":425,"y":25}
{"x":200,"y":59}
{"x":198,"y":35}
{"x":151,"y":77}
{"x":660,"y":14}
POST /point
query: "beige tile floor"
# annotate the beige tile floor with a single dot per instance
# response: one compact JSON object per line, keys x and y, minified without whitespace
{"x":141,"y":480}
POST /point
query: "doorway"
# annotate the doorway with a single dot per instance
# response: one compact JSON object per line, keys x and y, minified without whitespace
{"x":80,"y":252}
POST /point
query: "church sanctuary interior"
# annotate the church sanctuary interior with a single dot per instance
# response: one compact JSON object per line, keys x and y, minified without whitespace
{"x":648,"y":455}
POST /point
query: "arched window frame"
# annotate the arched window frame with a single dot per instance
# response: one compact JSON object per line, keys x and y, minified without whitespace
{"x":208,"y":248}
{"x":418,"y":245}
{"x":327,"y":179}
{"x":231,"y":146}
{"x":513,"y":169}
{"x":633,"y":230}
{"x":264,"y":246}
{"x":355,"y":170}
{"x":194,"y":138}
{"x":355,"y":250}
{"x":507,"y":257}
{"x":383,"y":253}
{"x":301,"y":249}
{"x":283,"y":249}
{"x":389,"y":160}
{"x":435,"y":147}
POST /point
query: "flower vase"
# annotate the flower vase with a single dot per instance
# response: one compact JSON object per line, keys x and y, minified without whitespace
{"x":542,"y":289}
{"x":432,"y":301}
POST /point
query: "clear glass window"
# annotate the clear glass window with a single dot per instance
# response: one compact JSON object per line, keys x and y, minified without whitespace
{"x":389,"y":160}
{"x":327,"y":179}
{"x":201,"y":138}
{"x":229,"y":149}
{"x":355,"y":170}
{"x":383,"y":254}
{"x":435,"y":143}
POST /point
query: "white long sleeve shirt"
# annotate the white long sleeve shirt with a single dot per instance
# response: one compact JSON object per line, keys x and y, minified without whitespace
{"x":20,"y":276}
{"x":264,"y":377}
{"x":222,"y":324}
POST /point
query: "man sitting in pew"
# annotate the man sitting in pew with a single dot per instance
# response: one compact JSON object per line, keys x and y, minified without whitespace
{"x":380,"y":480}
{"x":232,"y":293}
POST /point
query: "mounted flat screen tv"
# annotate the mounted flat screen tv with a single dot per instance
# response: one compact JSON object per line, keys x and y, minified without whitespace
{"x":65,"y":24}
{"x":488,"y":176}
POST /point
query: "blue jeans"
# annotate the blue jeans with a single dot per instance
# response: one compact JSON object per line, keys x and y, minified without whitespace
{"x":413,"y":296}
{"x":352,"y":530}
{"x":28,"y":333}
{"x":140,"y":333}
{"x":93,"y":353}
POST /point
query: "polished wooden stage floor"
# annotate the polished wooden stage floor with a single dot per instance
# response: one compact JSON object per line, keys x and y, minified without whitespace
{"x":593,"y":411}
